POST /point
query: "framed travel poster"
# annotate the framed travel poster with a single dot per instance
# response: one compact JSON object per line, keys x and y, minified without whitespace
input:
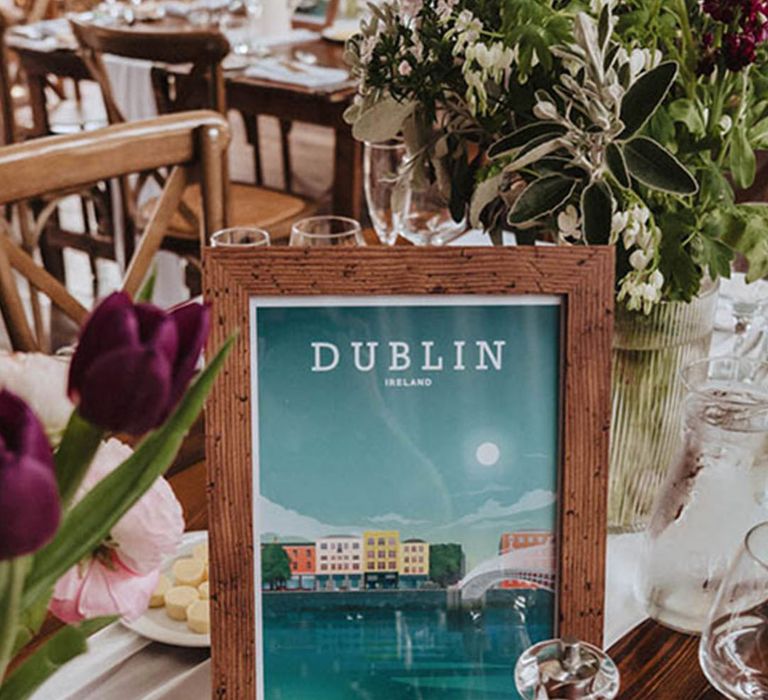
{"x":408,"y":464}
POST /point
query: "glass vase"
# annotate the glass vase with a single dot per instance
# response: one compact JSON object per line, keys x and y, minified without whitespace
{"x":648,"y":354}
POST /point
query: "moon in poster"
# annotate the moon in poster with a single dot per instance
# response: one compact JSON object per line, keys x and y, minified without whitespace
{"x":488,"y":454}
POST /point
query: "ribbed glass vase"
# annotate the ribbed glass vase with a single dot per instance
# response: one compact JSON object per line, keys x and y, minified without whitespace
{"x":648,"y":353}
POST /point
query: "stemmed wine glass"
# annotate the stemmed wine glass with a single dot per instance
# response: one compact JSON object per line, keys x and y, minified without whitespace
{"x":385,"y":190}
{"x":734,"y":646}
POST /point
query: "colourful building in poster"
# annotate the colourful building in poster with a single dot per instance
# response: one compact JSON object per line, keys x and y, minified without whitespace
{"x":523,"y":539}
{"x":302,"y":557}
{"x":414,"y":563}
{"x":382,"y":558}
{"x":339,"y":563}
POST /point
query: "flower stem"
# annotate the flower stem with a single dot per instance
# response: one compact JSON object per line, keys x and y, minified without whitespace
{"x":12,"y":575}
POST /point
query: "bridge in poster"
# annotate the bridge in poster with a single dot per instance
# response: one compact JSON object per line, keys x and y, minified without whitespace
{"x":534,"y":565}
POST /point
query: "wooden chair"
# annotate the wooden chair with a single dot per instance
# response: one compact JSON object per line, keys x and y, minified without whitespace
{"x":192,"y":146}
{"x":203,"y":85}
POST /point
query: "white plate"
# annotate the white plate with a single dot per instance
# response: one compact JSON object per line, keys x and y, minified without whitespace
{"x":341,"y":30}
{"x":155,"y":624}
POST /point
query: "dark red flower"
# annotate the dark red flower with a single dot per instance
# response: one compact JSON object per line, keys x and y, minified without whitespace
{"x":29,"y":497}
{"x":738,"y":51}
{"x":134,"y":361}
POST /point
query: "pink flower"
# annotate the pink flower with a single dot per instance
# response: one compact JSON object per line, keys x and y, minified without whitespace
{"x":118,"y":579}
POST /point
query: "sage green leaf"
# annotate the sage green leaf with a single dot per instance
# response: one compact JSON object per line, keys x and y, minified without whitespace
{"x":596,"y":212}
{"x":644,"y":97}
{"x":617,"y":165}
{"x":604,"y":26}
{"x":742,"y":158}
{"x":65,"y":645}
{"x":522,"y":137}
{"x":89,"y":522}
{"x":484,"y":194}
{"x":383,"y":120}
{"x":716,"y":256}
{"x":74,"y":455}
{"x":654,"y":166}
{"x":541,"y":197}
{"x":12,"y":574}
{"x":535,"y":154}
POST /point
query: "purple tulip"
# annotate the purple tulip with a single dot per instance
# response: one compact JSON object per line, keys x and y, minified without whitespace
{"x":134,"y":362}
{"x":29,"y":497}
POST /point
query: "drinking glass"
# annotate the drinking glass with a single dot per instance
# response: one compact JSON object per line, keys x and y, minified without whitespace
{"x":326,"y":231}
{"x":733,"y":651}
{"x":566,"y":668}
{"x":427,"y":218}
{"x":384,"y":193}
{"x":715,"y":490}
{"x":748,"y":303}
{"x":240,"y":237}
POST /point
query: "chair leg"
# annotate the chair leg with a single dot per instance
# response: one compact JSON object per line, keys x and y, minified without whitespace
{"x":285,"y":132}
{"x":251,"y":122}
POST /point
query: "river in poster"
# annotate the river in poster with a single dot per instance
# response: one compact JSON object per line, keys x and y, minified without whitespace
{"x":406,"y":485}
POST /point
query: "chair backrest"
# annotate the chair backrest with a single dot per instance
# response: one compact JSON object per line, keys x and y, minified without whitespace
{"x":203,"y":49}
{"x":191,"y":145}
{"x":7,"y":118}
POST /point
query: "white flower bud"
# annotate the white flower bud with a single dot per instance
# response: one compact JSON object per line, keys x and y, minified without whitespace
{"x":639,"y":259}
{"x":545,"y":110}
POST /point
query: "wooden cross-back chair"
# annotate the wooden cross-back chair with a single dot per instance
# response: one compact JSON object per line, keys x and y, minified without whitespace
{"x":248,"y":204}
{"x":192,"y":146}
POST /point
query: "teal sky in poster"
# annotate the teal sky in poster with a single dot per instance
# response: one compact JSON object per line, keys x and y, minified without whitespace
{"x":463,"y":460}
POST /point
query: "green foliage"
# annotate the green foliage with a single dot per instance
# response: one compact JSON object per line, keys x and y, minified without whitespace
{"x":446,"y":564}
{"x":275,"y":565}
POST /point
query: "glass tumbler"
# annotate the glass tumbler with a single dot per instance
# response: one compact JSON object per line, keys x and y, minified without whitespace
{"x":734,"y":646}
{"x":715,"y":490}
{"x":384,"y":192}
{"x":566,"y":669}
{"x":242,"y":237}
{"x":326,"y":231}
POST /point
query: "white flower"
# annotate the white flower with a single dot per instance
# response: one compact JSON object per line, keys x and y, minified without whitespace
{"x":568,"y":223}
{"x":636,"y":62}
{"x":656,"y":279}
{"x":41,"y":381}
{"x":641,"y":214}
{"x":367,"y":45}
{"x":410,"y":8}
{"x":405,"y":68}
{"x":725,"y":124}
{"x":630,"y":234}
{"x":619,"y":222}
{"x":545,"y":110}
{"x":417,"y":50}
{"x":639,"y":259}
{"x":445,"y":9}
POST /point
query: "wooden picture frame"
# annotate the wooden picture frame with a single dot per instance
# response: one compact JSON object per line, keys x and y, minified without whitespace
{"x":581,"y":277}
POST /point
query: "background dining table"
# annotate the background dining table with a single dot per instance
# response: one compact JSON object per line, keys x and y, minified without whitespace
{"x":46,"y":49}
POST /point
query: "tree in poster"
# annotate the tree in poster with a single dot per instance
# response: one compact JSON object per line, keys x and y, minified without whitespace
{"x":446,"y":563}
{"x":275,"y":565}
